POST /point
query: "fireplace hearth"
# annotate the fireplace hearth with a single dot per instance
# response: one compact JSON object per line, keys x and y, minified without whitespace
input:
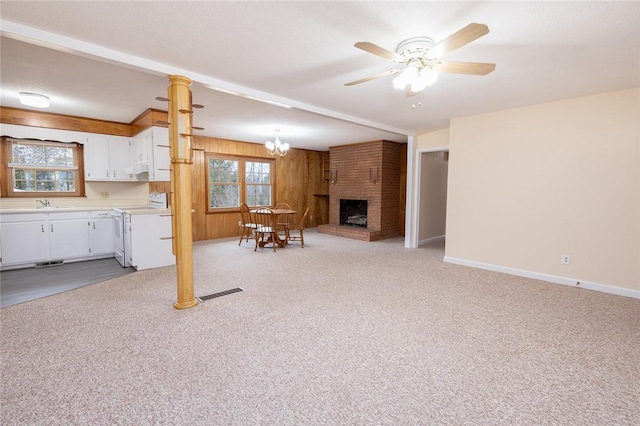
{"x":353,"y":213}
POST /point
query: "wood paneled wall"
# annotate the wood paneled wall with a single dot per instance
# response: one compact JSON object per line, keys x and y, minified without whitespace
{"x":298,"y":175}
{"x":297,"y":179}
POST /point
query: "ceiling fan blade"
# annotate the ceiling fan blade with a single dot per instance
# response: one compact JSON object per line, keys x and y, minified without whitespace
{"x":373,"y":77}
{"x":458,"y":39}
{"x":376,"y":50}
{"x":475,"y":68}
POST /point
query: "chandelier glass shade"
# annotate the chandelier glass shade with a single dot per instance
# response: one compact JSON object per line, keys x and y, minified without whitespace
{"x":415,"y":77}
{"x":277,"y":147}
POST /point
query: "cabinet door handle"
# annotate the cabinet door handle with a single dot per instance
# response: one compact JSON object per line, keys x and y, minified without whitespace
{"x":94,"y":224}
{"x":106,"y":174}
{"x":114,"y":173}
{"x":42,"y":227}
{"x":51,"y":227}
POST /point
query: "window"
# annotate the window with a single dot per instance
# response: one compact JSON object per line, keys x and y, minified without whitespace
{"x":35,"y":168}
{"x":258,"y":183}
{"x":224,"y":183}
{"x":233,"y":181}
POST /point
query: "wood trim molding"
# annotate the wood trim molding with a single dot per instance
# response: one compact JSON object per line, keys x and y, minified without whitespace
{"x":150,"y":117}
{"x":23,"y":117}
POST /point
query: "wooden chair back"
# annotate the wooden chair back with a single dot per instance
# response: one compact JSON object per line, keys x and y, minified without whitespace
{"x":299,"y":229}
{"x":282,"y":220}
{"x":247,"y":225}
{"x":265,"y":231}
{"x":245,"y":214}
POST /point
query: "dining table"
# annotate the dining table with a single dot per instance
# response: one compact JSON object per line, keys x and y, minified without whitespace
{"x":281,"y":242}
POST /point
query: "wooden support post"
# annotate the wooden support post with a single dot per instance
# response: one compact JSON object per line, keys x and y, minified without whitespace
{"x":180,"y":119}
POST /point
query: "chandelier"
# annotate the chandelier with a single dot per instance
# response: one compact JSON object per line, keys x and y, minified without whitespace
{"x":278,"y":147}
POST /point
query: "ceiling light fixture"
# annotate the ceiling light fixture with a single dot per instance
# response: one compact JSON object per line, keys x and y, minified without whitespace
{"x":277,"y":147}
{"x":34,"y":100}
{"x":415,"y":77}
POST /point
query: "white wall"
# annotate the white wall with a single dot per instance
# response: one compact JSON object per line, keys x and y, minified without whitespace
{"x":97,"y":194}
{"x":433,"y":195}
{"x":528,"y":185}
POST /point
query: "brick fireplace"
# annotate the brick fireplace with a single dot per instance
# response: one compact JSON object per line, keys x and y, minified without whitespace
{"x":366,"y":178}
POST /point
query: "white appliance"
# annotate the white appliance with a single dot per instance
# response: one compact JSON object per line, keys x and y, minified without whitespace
{"x":122,"y":229}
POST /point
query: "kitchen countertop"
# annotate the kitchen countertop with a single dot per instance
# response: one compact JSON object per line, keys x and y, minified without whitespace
{"x":138,"y":211}
{"x":65,"y":209}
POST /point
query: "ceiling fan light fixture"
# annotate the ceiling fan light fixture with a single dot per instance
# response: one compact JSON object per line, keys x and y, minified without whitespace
{"x":34,"y":100}
{"x":429,"y":76}
{"x":407,"y":77}
{"x":400,"y":81}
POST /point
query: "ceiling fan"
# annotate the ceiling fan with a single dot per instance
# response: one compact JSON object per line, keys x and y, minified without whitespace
{"x":422,"y":59}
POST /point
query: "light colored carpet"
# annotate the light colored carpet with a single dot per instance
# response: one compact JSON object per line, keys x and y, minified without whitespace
{"x":340,"y":332}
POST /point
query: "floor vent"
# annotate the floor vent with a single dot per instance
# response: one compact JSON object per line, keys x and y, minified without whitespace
{"x":52,"y":263}
{"x":222,"y":293}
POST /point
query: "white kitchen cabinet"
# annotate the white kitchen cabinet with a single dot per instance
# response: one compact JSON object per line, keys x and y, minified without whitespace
{"x":161,"y":157}
{"x":101,"y":233}
{"x":68,"y":235}
{"x":107,"y":158}
{"x":24,"y":238}
{"x":151,"y":154}
{"x":148,"y":240}
{"x":27,"y":239}
{"x":96,"y":158}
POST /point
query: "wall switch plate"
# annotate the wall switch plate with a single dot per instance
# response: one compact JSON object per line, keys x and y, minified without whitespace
{"x":566,"y":259}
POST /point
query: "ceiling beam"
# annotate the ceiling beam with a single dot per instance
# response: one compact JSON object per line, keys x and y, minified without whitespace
{"x":89,"y":50}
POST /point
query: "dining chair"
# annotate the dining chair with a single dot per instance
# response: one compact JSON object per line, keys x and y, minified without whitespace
{"x":265,"y":232}
{"x":247,"y":224}
{"x":299,"y":228}
{"x":282,"y":220}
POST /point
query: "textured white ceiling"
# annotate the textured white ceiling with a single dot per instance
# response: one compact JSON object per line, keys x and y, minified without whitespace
{"x":110,"y":59}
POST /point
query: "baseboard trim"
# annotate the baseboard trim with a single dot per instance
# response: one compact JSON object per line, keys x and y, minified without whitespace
{"x":431,"y":240}
{"x":619,"y":291}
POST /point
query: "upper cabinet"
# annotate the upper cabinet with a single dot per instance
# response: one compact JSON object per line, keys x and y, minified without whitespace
{"x":107,"y":158}
{"x":145,"y":157}
{"x":151,"y":154}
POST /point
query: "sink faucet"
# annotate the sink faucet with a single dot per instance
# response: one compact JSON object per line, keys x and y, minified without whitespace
{"x":45,"y":203}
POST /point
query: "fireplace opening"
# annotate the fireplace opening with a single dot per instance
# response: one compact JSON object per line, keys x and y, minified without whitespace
{"x":353,"y":213}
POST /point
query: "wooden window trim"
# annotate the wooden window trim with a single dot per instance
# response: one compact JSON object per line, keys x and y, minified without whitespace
{"x":242,"y":159}
{"x":6,"y":177}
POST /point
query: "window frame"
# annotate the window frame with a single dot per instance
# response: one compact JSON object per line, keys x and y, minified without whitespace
{"x":242,"y":162}
{"x":7,"y":184}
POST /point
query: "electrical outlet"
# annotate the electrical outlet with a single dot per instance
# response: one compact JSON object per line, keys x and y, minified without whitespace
{"x":239,"y":223}
{"x":566,"y":259}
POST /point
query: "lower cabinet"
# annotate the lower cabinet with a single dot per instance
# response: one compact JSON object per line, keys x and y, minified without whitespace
{"x":101,"y":233}
{"x":68,"y":235}
{"x":27,"y":239}
{"x":148,"y":240}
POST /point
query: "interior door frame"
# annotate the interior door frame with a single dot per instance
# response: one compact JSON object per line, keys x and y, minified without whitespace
{"x":412,"y":237}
